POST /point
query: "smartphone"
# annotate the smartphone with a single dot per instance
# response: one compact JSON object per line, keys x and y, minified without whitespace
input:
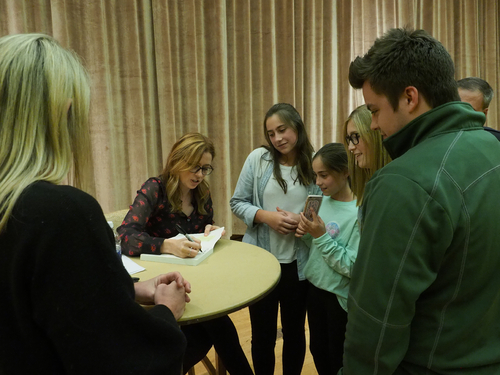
{"x":314,"y":202}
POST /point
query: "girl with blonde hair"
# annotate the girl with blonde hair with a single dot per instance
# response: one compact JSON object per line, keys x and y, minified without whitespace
{"x":367,"y":154}
{"x":67,"y":295}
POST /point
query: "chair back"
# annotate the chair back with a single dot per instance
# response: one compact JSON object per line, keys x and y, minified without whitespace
{"x":116,"y":217}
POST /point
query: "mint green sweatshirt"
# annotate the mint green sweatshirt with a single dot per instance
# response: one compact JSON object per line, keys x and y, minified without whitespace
{"x":332,"y":256}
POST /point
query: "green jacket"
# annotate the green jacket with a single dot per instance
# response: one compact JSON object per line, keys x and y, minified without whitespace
{"x":425,"y":289}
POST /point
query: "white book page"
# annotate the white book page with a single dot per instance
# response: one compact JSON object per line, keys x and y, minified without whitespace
{"x":208,"y":242}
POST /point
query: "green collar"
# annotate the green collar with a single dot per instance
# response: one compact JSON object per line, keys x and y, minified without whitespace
{"x":447,"y":118}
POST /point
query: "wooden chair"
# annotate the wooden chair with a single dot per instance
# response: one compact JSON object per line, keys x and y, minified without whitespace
{"x":219,"y":368}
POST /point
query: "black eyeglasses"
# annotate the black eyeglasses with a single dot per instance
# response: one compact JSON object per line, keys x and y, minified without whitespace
{"x":354,"y":138}
{"x":205,"y":169}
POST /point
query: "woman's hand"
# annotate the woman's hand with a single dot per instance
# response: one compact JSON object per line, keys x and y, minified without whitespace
{"x":315,"y":228}
{"x":210,"y":227}
{"x":301,"y":230}
{"x":292,"y":215}
{"x":172,"y":296}
{"x":172,"y":291}
{"x":181,"y":247}
{"x":169,"y":289}
{"x":280,"y":221}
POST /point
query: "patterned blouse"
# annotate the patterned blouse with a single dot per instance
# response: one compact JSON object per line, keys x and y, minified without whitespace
{"x":149,"y":221}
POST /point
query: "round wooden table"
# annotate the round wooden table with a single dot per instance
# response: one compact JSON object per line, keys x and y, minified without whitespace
{"x":234,"y":276}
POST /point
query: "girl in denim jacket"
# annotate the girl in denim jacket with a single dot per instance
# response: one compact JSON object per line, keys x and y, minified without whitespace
{"x":271,"y":190}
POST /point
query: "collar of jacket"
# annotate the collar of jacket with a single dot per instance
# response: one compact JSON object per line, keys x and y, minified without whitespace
{"x":449,"y":117}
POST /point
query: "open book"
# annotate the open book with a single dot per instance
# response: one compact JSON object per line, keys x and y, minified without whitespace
{"x":207,"y":247}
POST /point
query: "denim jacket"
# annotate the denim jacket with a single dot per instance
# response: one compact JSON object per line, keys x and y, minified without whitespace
{"x":248,"y":199}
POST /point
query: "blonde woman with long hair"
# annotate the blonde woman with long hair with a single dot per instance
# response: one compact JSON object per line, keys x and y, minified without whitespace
{"x":366,"y":153}
{"x":68,"y":300}
{"x":180,"y":196}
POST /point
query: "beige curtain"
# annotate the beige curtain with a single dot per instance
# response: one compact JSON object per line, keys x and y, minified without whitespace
{"x":161,"y":68}
{"x":469,"y":29}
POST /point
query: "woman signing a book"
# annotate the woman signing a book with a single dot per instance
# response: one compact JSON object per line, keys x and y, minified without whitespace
{"x":181,"y":196}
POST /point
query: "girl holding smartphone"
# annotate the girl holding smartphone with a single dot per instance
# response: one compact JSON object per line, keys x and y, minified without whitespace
{"x":271,"y":190}
{"x":333,"y":238}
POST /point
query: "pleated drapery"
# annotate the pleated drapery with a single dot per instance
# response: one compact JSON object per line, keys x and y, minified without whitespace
{"x":160,"y":69}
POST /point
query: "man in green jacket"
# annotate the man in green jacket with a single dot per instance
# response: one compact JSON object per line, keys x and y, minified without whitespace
{"x":425,"y":289}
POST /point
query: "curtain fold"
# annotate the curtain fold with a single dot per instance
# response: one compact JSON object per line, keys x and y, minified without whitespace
{"x":161,"y":68}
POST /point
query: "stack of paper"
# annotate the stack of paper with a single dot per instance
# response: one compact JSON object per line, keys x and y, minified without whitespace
{"x":131,"y":266}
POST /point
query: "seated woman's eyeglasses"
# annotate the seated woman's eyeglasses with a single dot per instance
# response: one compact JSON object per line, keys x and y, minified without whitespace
{"x":354,"y":138}
{"x":205,"y":169}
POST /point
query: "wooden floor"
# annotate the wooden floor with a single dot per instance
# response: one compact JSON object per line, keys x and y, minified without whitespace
{"x":241,"y":320}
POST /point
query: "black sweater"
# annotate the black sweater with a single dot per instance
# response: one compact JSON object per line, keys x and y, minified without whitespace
{"x":68,"y":304}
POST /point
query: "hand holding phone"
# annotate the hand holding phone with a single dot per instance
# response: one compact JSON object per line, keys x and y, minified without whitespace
{"x":312,"y":202}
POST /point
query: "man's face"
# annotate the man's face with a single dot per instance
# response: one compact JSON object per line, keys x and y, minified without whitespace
{"x":474,"y":98}
{"x":384,"y":118}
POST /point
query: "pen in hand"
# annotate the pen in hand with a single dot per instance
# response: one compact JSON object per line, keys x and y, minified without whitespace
{"x":183,"y":232}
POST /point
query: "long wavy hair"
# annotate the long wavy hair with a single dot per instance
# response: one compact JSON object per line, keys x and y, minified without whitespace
{"x":289,"y":115}
{"x":377,"y":155}
{"x":185,"y":155}
{"x":44,"y":105}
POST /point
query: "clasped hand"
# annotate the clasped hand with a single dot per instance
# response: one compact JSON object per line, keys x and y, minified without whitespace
{"x":282,"y":221}
{"x":168,"y":289}
{"x":315,"y":228}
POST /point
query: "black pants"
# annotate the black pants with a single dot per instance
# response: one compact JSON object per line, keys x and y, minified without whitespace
{"x":222,"y":334}
{"x":290,"y":294}
{"x":327,"y":325}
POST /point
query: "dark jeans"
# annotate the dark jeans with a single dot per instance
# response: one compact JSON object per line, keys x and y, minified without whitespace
{"x":327,"y":325}
{"x":290,"y":294}
{"x":222,"y":334}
